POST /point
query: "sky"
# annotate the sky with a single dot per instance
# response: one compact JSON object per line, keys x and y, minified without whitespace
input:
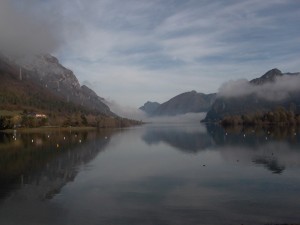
{"x":133,"y":51}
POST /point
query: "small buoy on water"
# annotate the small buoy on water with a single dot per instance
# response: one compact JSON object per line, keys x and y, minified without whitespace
{"x":80,"y":141}
{"x":32,"y":140}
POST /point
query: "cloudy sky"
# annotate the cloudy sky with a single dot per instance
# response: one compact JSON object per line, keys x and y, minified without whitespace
{"x":132,"y":51}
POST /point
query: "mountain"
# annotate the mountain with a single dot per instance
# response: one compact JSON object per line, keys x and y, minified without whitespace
{"x":268,"y":77}
{"x":188,"y":102}
{"x":271,"y":76}
{"x":18,"y":93}
{"x":149,"y":107}
{"x":47,"y":72}
{"x":272,"y":90}
{"x":39,"y":91}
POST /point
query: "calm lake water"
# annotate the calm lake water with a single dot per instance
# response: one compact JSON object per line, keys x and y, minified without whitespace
{"x":151,"y":175}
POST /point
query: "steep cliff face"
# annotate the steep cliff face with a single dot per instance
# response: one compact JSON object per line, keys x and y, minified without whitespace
{"x":258,"y":100}
{"x":189,"y":102}
{"x":47,"y":72}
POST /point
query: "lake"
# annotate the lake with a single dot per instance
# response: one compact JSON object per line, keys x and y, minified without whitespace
{"x":154,"y":174}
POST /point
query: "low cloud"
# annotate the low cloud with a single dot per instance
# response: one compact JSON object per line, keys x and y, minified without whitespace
{"x":25,"y":29}
{"x":137,"y":114}
{"x":126,"y":111}
{"x":278,"y":90}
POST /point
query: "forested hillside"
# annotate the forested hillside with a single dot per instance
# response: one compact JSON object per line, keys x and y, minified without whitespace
{"x":24,"y":96}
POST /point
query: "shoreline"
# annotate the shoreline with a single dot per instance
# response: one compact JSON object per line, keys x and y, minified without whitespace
{"x":58,"y":128}
{"x":48,"y":128}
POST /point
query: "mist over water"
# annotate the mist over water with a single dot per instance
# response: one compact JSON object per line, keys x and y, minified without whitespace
{"x":185,"y":118}
{"x":126,"y":111}
{"x":137,"y":114}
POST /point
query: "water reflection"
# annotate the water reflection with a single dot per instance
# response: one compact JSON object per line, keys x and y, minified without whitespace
{"x":190,"y":140}
{"x":253,"y":136}
{"x":151,"y":175}
{"x":274,"y":148}
{"x":40,"y":164}
{"x":270,"y":163}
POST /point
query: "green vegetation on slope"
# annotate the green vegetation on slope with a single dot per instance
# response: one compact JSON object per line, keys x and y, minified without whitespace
{"x":22,"y":99}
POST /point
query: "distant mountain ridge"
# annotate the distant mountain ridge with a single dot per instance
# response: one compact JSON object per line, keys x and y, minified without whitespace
{"x":188,"y":102}
{"x":253,"y":103}
{"x":150,"y":107}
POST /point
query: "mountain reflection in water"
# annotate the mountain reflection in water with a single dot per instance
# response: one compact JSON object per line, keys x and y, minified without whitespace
{"x":154,"y":174}
{"x":39,"y":164}
{"x":274,"y":148}
{"x":190,"y":140}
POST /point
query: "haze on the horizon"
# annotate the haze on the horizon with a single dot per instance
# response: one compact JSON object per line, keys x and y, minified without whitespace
{"x":138,"y":50}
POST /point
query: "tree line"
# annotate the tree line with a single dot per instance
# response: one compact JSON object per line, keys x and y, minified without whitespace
{"x":78,"y":119}
{"x":11,"y":122}
{"x":278,"y":116}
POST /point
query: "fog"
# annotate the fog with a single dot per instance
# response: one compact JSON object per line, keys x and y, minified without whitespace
{"x":185,"y":118}
{"x":137,"y":114}
{"x":278,"y":90}
{"x":125,"y":111}
{"x":25,"y":30}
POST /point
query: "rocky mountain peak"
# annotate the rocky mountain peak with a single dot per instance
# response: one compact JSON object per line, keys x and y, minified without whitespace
{"x":45,"y":70}
{"x":49,"y":71}
{"x":269,"y":76}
